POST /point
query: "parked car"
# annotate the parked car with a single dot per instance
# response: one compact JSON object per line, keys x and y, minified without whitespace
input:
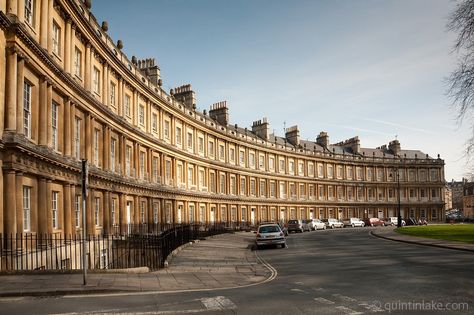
{"x":422,"y":221}
{"x":295,"y":226}
{"x":411,"y":221}
{"x":374,"y":222}
{"x":334,"y":223}
{"x":353,"y":222}
{"x":319,"y":225}
{"x":393,"y":221}
{"x":281,"y":224}
{"x":270,"y":234}
{"x":310,"y":224}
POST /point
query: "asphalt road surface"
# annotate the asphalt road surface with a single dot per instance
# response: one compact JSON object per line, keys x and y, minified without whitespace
{"x":344,"y":271}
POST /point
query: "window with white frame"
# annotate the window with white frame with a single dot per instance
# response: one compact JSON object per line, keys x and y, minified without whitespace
{"x":272,"y":189}
{"x":212,"y":182}
{"x":291,"y":166}
{"x":243,"y":185}
{"x":128,"y":157}
{"x":261,"y":162}
{"x":96,"y":147}
{"x":54,"y":125}
{"x":112,"y":94}
{"x":113,"y":211}
{"x":167,"y":171}
{"x":113,"y":145}
{"x":282,"y":167}
{"x":242,"y":158}
{"x":282,"y":190}
{"x":179,"y":173}
{"x":154,"y":123}
{"x":434,"y":175}
{"x":202,"y":213}
{"x":56,"y":38}
{"x":252,"y":187}
{"x":97,"y":211}
{"x":142,"y":212}
{"x":142,"y":164}
{"x":26,"y":208}
{"x":29,"y":11}
{"x":54,"y":209}
{"x":232,"y":154}
{"x":191,"y":181}
{"x":154,"y":166}
{"x":251,"y":159}
{"x":77,"y":62}
{"x":271,"y":163}
{"x":221,"y":152}
{"x":201,"y":145}
{"x":166,"y":129}
{"x":27,"y":88}
{"x":191,"y":213}
{"x":77,"y":138}
{"x":339,"y":171}
{"x":301,"y":168}
{"x":190,"y":140}
{"x":263,"y":188}
{"x":202,"y":179}
{"x":222,"y":184}
{"x":77,"y":210}
{"x":310,"y":169}
{"x":141,"y":115}
{"x":330,"y":171}
{"x":96,"y":80}
{"x":155,"y":212}
{"x":210,"y":148}
{"x":320,"y":170}
{"x":233,"y":188}
{"x":126,"y":105}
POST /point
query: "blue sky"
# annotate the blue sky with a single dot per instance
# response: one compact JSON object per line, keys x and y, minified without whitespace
{"x":373,"y":69}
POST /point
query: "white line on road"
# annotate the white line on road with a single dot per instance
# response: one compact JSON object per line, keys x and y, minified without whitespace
{"x":298,"y":290}
{"x":372,"y":307}
{"x":218,"y":303}
{"x":344,"y":298}
{"x":348,"y":311}
{"x":324,"y":301}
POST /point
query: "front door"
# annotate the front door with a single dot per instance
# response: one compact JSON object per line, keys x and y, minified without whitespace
{"x":129,"y":216}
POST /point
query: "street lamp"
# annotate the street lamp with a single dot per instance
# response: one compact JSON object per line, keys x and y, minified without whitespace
{"x":399,"y":217}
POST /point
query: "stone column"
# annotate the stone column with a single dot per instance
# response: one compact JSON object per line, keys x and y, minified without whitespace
{"x":88,"y":142}
{"x":12,"y":7}
{"x":106,"y":147}
{"x":72,"y":49}
{"x":67,"y":210}
{"x":19,"y":94}
{"x":11,"y":89}
{"x":49,"y":101}
{"x":19,"y":202}
{"x":50,"y":25}
{"x":87,"y":68}
{"x":42,"y":125}
{"x":121,"y":211}
{"x":44,"y":21}
{"x":136,"y":210}
{"x":67,"y":127}
{"x":90,"y":226}
{"x":72,"y":128}
{"x":49,"y":216}
{"x":105,"y":85}
{"x":106,"y":225}
{"x":10,"y":204}
{"x":120,"y":97}
{"x":67,"y":46}
{"x":42,"y":207}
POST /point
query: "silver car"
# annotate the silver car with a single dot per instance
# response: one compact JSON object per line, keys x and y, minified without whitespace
{"x":333,"y":223}
{"x":270,"y":234}
{"x":315,"y":224}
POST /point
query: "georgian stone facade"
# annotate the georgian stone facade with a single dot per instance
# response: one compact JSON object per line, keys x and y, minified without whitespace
{"x":67,"y":92}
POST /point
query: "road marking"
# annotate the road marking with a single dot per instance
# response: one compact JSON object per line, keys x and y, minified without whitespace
{"x":348,"y":311}
{"x":372,"y":307}
{"x":324,"y":301}
{"x":299,"y":283}
{"x":344,"y":298}
{"x":218,"y":303}
{"x":298,"y":290}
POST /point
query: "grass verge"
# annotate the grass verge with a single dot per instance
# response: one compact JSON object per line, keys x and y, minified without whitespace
{"x":455,"y":232}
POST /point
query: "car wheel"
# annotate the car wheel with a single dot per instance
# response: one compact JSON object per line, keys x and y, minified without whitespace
{"x":353,"y":225}
{"x":371,"y":224}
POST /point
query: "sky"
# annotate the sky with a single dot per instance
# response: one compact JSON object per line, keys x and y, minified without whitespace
{"x":368,"y":68}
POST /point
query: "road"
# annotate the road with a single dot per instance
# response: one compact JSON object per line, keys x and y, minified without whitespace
{"x":344,"y":271}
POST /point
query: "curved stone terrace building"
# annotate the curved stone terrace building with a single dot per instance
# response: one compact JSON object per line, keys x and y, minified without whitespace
{"x":68,"y":92}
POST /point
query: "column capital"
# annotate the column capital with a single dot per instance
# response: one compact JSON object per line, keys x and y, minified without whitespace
{"x":13,"y":49}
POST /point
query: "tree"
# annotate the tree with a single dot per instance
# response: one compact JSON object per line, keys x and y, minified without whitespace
{"x":461,"y":80}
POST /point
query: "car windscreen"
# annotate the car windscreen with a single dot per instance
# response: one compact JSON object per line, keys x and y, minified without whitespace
{"x":269,"y":229}
{"x":293,"y":222}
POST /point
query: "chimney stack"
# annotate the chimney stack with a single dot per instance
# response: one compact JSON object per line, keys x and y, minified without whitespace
{"x":394,"y":146}
{"x":323,"y":139}
{"x":149,"y":69}
{"x":185,"y":94}
{"x":292,"y":134}
{"x":261,"y":128}
{"x":220,"y":113}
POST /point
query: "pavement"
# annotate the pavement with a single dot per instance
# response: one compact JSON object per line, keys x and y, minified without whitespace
{"x":390,"y":234}
{"x":218,"y":262}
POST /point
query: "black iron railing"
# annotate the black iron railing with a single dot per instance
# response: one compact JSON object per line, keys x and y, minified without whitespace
{"x":124,"y":247}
